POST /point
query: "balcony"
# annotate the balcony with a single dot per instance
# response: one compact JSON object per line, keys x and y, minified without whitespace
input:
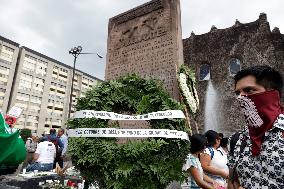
{"x":57,"y":123}
{"x":62,"y":72}
{"x":4,"y":80}
{"x":33,"y":128}
{"x":19,"y":126}
{"x":50,"y":104}
{"x":52,"y":87}
{"x":31,"y":120}
{"x":21,"y":119}
{"x":59,"y":106}
{"x":47,"y":122}
{"x":61,"y":89}
{"x":5,"y":72}
{"x":54,"y":77}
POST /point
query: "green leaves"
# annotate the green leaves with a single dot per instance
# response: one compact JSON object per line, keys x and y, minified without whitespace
{"x":149,"y":163}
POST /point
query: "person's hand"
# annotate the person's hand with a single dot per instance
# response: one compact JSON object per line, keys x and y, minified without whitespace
{"x":224,"y":174}
{"x":217,"y":185}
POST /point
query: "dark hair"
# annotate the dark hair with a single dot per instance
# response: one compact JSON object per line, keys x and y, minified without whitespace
{"x":224,"y":142}
{"x":266,"y":76}
{"x":221,"y":135}
{"x":211,"y":137}
{"x":197,"y":143}
{"x":52,"y":131}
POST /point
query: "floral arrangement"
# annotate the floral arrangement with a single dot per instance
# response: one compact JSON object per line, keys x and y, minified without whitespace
{"x":149,"y":163}
{"x":56,"y":184}
{"x":186,"y":79}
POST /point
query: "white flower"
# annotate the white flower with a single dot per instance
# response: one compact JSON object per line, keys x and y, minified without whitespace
{"x":190,"y":100}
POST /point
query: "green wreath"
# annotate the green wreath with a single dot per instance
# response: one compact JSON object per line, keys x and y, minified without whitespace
{"x":150,"y":163}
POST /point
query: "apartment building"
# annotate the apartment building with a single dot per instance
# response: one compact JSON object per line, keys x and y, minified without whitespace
{"x":40,"y":85}
{"x":8,"y":59}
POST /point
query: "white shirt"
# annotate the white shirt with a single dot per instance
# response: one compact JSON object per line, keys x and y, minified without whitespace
{"x":64,"y":140}
{"x":218,"y":161}
{"x":46,"y":151}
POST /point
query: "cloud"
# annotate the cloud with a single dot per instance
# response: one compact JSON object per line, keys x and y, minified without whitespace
{"x":53,"y":27}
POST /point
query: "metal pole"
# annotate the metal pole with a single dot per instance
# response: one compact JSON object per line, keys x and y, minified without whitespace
{"x":72,"y":82}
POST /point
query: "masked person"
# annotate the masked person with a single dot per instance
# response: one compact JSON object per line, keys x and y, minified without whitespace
{"x":256,"y":160}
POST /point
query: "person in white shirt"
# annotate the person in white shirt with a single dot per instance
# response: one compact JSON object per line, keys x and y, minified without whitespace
{"x":44,"y":157}
{"x":212,"y":161}
{"x":224,"y":147}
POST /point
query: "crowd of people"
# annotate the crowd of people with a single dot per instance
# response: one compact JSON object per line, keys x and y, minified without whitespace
{"x":252,"y":157}
{"x":206,"y":164}
{"x":43,"y":154}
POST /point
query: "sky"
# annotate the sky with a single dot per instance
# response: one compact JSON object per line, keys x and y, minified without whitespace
{"x":53,"y":27}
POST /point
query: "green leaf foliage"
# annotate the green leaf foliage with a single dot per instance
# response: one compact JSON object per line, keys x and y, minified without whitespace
{"x":150,"y":163}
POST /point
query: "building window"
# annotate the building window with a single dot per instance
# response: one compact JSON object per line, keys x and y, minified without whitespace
{"x":204,"y":72}
{"x":234,"y":66}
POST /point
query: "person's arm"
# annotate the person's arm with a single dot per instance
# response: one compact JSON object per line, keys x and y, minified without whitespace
{"x":36,"y":156}
{"x":208,"y":179}
{"x":231,"y":183}
{"x":65,"y":144}
{"x":205,"y":161}
{"x":54,"y":155}
{"x":28,"y":145}
{"x":198,"y":179}
{"x":37,"y":152}
{"x":60,"y":143}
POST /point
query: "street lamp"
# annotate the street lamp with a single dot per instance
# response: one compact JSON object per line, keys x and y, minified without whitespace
{"x":76,"y":51}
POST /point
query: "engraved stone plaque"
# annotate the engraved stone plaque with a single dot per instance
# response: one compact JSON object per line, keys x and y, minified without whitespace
{"x":147,"y":41}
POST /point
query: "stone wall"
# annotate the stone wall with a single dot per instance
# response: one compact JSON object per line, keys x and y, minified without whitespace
{"x":252,"y":43}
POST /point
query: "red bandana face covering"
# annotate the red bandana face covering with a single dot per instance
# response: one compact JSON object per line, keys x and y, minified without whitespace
{"x":260,"y":110}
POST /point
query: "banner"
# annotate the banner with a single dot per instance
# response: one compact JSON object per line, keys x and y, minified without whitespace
{"x":13,"y":114}
{"x":115,"y":116}
{"x":127,"y":133}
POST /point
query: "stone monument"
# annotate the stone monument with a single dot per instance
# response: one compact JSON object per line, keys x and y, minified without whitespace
{"x":147,"y":41}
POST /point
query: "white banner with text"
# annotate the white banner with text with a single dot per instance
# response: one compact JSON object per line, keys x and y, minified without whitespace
{"x":115,"y":116}
{"x":127,"y":133}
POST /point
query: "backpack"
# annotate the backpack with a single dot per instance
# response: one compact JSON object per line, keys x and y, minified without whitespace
{"x":211,"y":152}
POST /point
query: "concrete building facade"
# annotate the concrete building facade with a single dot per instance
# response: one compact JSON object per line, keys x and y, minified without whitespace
{"x":8,"y":59}
{"x":41,"y":86}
